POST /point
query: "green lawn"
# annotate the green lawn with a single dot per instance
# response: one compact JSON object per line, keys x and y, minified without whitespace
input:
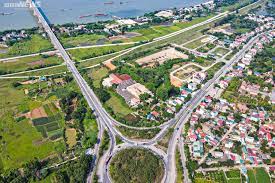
{"x":97,"y":74}
{"x":86,"y":53}
{"x":85,"y":39}
{"x":118,"y":105}
{"x":28,"y":63}
{"x":36,"y":44}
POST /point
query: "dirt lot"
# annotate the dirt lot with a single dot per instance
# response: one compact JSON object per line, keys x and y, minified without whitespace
{"x":161,"y":57}
{"x":127,"y":35}
{"x":38,"y":113}
{"x":39,"y":62}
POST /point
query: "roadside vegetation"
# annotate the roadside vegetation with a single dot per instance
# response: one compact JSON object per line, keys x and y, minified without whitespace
{"x":105,"y":142}
{"x":179,"y":167}
{"x":136,"y":165}
{"x":139,"y":134}
{"x":164,"y":142}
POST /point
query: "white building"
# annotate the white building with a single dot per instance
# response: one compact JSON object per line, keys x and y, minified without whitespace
{"x":165,"y":14}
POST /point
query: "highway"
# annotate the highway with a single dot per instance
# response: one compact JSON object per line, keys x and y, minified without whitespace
{"x":194,"y":102}
{"x":105,"y":121}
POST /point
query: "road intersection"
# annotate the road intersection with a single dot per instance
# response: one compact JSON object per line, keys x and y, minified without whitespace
{"x":105,"y":121}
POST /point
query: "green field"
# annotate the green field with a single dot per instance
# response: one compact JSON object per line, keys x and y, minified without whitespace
{"x":28,"y":63}
{"x":157,"y":31}
{"x":136,"y":165}
{"x":36,"y":44}
{"x":118,"y":105}
{"x":206,"y":48}
{"x":196,"y":43}
{"x":20,"y":142}
{"x":215,"y":68}
{"x":233,"y":174}
{"x":85,"y":39}
{"x":210,"y":177}
{"x":261,"y":175}
{"x":97,"y":74}
{"x":86,"y":53}
{"x":52,"y":126}
{"x":221,"y":51}
{"x":45,"y":71}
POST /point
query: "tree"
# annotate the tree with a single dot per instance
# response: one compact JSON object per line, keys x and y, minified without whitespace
{"x":188,"y":98}
{"x":102,"y":94}
{"x":162,"y":93}
{"x":144,"y":96}
{"x":16,"y":84}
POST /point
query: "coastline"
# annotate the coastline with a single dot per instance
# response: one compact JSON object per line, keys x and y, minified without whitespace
{"x":78,"y":22}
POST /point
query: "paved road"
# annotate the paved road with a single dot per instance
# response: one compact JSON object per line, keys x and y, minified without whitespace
{"x":106,"y":121}
{"x":193,"y":103}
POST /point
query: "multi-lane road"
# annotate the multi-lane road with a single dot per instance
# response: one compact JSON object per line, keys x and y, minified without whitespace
{"x":105,"y":121}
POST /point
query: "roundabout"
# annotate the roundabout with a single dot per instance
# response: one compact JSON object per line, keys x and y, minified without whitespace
{"x":136,"y":165}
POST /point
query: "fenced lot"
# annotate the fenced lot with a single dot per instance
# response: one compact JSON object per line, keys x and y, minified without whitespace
{"x":160,"y":57}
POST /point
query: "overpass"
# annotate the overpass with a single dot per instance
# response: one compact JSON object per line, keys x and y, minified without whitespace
{"x":104,"y":120}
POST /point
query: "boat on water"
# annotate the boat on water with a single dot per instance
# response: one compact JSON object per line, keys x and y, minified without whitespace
{"x":6,"y":14}
{"x":95,"y":15}
{"x":110,"y":2}
{"x":86,"y":16}
{"x":101,"y":15}
{"x":66,"y":9}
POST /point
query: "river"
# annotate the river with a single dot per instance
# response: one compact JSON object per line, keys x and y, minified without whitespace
{"x":65,"y":11}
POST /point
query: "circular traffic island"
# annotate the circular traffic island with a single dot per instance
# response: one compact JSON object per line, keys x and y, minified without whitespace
{"x":136,"y":165}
